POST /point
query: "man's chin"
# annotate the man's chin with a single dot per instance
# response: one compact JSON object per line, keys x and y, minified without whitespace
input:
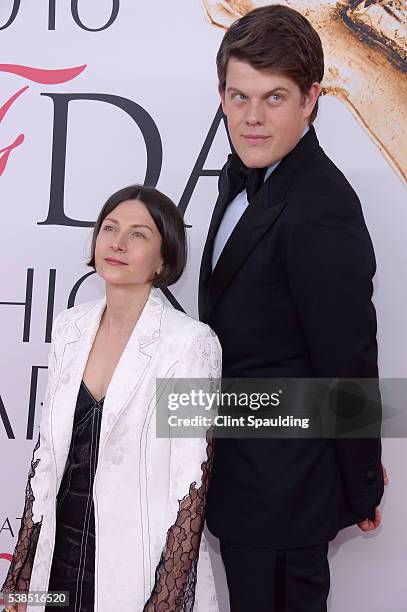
{"x":256,"y":161}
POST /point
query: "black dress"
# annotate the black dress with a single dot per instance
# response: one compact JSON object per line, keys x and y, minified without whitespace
{"x":73,"y":564}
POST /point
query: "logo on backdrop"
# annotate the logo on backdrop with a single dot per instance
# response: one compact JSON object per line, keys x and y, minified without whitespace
{"x":56,"y":214}
{"x":35,"y":75}
{"x":52,"y":15}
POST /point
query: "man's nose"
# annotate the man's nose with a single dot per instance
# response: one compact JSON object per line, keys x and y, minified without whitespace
{"x":255,"y":113}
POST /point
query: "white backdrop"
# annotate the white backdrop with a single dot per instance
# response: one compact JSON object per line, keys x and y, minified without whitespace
{"x":161,"y":56}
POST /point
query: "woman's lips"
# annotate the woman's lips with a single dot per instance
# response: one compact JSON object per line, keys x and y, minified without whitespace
{"x":115,"y":262}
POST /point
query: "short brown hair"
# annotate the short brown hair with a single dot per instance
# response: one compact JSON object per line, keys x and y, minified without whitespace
{"x":169,"y":222}
{"x":278,"y":39}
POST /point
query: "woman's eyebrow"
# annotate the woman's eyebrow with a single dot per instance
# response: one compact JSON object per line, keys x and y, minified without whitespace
{"x":133,"y":225}
{"x":140,"y":225}
{"x":111,"y":219}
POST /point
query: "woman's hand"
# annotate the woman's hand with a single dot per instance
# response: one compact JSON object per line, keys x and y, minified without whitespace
{"x":18,"y":608}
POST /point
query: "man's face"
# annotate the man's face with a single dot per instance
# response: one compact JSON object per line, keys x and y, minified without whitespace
{"x":266,"y":113}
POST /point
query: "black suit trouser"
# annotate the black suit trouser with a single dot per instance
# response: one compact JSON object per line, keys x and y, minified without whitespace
{"x":269,"y":580}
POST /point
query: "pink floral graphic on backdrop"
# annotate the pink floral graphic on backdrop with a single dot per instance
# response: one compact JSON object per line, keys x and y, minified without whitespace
{"x":35,"y":75}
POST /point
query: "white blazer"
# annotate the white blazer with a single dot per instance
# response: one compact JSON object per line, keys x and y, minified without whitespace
{"x":140,"y":478}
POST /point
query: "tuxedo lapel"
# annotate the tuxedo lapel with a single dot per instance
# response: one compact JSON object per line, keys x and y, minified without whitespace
{"x":254,"y":222}
{"x":218,"y":211}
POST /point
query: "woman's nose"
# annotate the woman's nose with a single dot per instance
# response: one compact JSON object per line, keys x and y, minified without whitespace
{"x":119,"y":243}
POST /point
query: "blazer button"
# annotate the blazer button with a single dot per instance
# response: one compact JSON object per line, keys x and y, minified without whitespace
{"x":370,"y":476}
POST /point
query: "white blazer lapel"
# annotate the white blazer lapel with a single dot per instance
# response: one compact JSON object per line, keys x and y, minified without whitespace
{"x":133,"y":364}
{"x":77,"y":344}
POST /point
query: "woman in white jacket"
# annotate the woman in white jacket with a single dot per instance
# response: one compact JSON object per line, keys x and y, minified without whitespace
{"x":113,"y":513}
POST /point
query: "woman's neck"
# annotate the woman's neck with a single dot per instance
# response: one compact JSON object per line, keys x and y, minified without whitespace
{"x":124,"y":305}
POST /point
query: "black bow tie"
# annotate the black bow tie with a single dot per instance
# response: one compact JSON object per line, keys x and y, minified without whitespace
{"x":241,"y":177}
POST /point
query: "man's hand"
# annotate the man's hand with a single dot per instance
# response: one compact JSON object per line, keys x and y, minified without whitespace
{"x":369,"y":525}
{"x":385,"y":477}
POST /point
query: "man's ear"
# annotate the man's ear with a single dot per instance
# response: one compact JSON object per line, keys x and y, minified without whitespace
{"x":310,"y":99}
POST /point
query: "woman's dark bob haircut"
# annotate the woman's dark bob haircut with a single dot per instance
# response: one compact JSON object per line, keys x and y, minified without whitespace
{"x":169,"y":222}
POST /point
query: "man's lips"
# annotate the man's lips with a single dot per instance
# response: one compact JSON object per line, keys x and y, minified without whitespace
{"x":255,"y":138}
{"x":115,"y":262}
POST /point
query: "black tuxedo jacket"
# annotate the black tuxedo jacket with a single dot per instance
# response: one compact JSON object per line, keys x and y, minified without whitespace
{"x":290,"y":296}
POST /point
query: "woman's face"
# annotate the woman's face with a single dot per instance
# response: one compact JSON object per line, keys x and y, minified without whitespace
{"x":128,"y":246}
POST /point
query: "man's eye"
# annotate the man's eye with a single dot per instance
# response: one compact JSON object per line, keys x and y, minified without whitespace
{"x":238,"y":97}
{"x":275,"y":98}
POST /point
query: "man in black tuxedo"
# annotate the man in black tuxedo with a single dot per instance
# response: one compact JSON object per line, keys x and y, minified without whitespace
{"x":286,"y":283}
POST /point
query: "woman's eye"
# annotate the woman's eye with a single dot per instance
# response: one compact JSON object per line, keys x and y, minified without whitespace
{"x":108,"y":228}
{"x":239,"y":97}
{"x":138,"y":235}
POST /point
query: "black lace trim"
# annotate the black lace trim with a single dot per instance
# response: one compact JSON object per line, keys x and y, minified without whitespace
{"x":19,"y":573}
{"x":175,"y":575}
